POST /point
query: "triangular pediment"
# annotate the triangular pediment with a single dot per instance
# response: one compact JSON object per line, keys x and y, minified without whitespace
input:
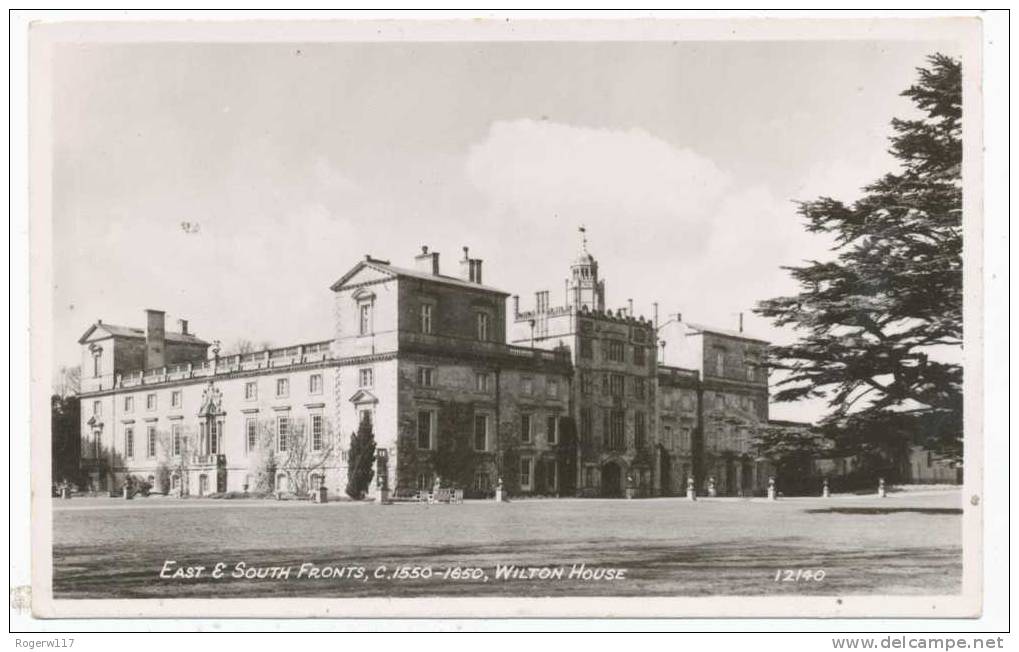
{"x":363,"y":272}
{"x":363,"y":396}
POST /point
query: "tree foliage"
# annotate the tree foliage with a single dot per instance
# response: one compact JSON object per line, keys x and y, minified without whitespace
{"x":361,"y":460}
{"x":880,"y":326}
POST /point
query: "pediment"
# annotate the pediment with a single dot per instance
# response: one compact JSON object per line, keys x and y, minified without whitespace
{"x":363,"y":272}
{"x":363,"y":396}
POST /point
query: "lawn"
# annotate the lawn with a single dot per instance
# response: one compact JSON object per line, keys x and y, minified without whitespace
{"x":904,"y":544}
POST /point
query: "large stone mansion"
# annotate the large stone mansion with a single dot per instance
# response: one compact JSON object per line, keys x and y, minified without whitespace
{"x":570,"y":399}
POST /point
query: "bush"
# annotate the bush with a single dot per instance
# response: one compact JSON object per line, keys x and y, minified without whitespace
{"x":362,"y":461}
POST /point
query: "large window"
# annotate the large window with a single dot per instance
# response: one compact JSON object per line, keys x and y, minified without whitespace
{"x":638,"y":388}
{"x":617,"y":437}
{"x":128,"y":404}
{"x":316,"y":432}
{"x":527,"y":386}
{"x":585,"y":424}
{"x":481,"y":381}
{"x":175,"y":398}
{"x":282,"y":387}
{"x":426,"y":376}
{"x":586,"y":347}
{"x":616,"y":384}
{"x":639,"y":355}
{"x":251,"y":434}
{"x":614,"y":351}
{"x":366,"y":377}
{"x":129,"y":442}
{"x":315,"y":384}
{"x":482,"y":481}
{"x":365,"y":318}
{"x":481,"y":432}
{"x":176,"y":440}
{"x":586,"y":383}
{"x":425,"y":429}
{"x":552,"y":429}
{"x":525,"y":472}
{"x":552,"y":388}
{"x":150,"y":402}
{"x":639,"y":430}
{"x":525,"y":428}
{"x":282,"y":433}
{"x":150,"y":449}
{"x":719,"y":362}
{"x":251,"y":390}
{"x":426,"y":318}
{"x":482,"y":326}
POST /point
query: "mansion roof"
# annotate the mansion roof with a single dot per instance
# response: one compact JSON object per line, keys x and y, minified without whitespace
{"x":385,"y":267}
{"x":113,"y":330}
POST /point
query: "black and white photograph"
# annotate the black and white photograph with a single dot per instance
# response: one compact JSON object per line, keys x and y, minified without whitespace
{"x":647,"y":318}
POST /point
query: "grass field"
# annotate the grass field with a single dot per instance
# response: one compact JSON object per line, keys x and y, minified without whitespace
{"x":903,"y":544}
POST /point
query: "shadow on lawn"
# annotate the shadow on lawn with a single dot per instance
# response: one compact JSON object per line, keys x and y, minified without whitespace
{"x":885,"y":510}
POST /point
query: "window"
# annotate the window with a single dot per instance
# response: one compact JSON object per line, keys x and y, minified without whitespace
{"x":525,"y":428}
{"x":639,"y":355}
{"x":585,"y":424}
{"x":527,"y":386}
{"x":480,"y":432}
{"x":481,"y":382}
{"x":424,"y":429}
{"x":616,"y":384}
{"x":586,"y":384}
{"x":150,"y":402}
{"x":316,"y":432}
{"x":175,"y":398}
{"x":365,"y":416}
{"x":128,"y":404}
{"x":365,"y":322}
{"x":720,"y":401}
{"x":424,"y":481}
{"x":97,"y":408}
{"x":685,"y":440}
{"x":251,"y":434}
{"x":552,"y":429}
{"x":482,"y":321}
{"x":552,"y":388}
{"x":638,"y":387}
{"x":366,"y":377}
{"x":95,"y":365}
{"x":150,"y":450}
{"x":586,"y":347}
{"x":482,"y":481}
{"x":589,"y":476}
{"x":315,"y":384}
{"x":176,"y":442}
{"x":750,"y":372}
{"x":129,"y":442}
{"x":251,"y":390}
{"x":426,"y":318}
{"x":614,"y":351}
{"x":282,"y":387}
{"x":525,"y":472}
{"x":605,"y":384}
{"x":719,"y":362}
{"x":667,"y":437}
{"x":639,"y":430}
{"x":282,"y":432}
{"x":426,"y":375}
{"x":617,"y":438}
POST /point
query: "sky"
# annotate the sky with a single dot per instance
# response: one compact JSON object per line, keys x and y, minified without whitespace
{"x":290,"y":162}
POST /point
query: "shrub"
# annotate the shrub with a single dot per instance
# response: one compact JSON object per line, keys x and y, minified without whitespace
{"x":362,"y":461}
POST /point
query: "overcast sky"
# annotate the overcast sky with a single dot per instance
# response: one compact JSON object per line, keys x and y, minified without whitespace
{"x":683,"y":161}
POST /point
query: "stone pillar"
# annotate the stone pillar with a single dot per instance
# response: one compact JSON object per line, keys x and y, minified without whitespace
{"x":825,"y":490}
{"x":881,"y":493}
{"x":500,"y":497}
{"x":629,"y":486}
{"x":691,"y":491}
{"x":771,"y":488}
{"x":712,"y":490}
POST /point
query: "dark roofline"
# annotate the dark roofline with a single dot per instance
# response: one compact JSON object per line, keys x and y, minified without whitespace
{"x":402,"y":272}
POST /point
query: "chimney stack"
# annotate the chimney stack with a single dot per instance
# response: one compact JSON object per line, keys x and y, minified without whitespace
{"x":427,"y":262}
{"x":470,"y":268}
{"x":516,"y":305}
{"x":182,"y":324}
{"x":155,"y":339}
{"x":629,"y":307}
{"x":741,"y":322}
{"x":654,"y":314}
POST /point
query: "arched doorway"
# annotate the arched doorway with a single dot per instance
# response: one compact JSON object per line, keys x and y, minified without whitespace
{"x":611,"y":480}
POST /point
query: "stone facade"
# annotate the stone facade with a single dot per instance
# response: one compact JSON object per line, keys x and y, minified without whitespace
{"x":561,"y":400}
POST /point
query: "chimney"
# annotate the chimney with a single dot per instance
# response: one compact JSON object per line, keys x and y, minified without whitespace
{"x":155,"y":339}
{"x":741,"y":322}
{"x":629,"y":307}
{"x":516,"y":305}
{"x":427,"y":262}
{"x":470,"y":268}
{"x":182,"y":325}
{"x":654,"y":314}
